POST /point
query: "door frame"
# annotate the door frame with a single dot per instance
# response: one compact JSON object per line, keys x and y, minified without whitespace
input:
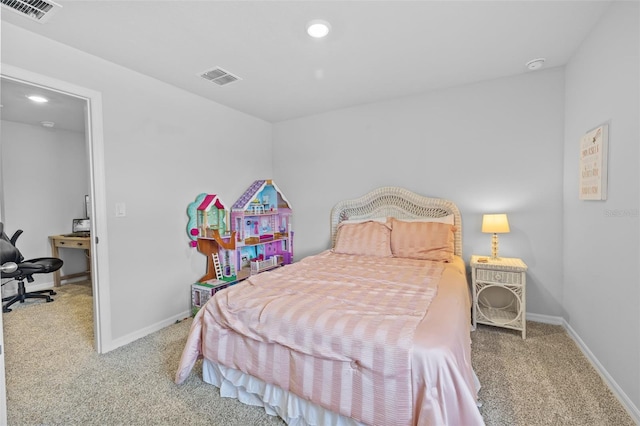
{"x":3,"y":387}
{"x":95,"y":156}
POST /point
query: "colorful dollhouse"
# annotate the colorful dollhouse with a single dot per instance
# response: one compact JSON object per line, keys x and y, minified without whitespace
{"x":261,"y":218}
{"x":260,"y":236}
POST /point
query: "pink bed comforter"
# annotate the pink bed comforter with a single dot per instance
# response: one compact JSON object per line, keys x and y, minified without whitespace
{"x":350,"y":334}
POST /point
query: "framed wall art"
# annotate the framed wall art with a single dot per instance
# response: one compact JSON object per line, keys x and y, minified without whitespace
{"x":593,"y":164}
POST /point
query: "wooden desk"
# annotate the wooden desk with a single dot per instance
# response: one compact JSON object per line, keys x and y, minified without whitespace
{"x":73,"y":242}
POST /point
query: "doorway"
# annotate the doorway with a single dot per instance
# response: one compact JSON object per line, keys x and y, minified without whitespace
{"x":92,"y":111}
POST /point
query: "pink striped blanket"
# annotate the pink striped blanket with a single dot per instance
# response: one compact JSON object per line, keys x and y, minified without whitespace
{"x":340,"y":331}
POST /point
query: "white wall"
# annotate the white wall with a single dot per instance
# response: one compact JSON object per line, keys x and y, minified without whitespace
{"x":162,"y":148}
{"x":601,"y":281}
{"x":45,"y":178}
{"x":490,"y":147}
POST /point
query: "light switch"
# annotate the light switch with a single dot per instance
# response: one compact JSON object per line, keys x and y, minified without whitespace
{"x":121,"y":210}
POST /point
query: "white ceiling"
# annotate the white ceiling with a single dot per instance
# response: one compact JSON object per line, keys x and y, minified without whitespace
{"x":66,"y":112}
{"x":377,"y":50}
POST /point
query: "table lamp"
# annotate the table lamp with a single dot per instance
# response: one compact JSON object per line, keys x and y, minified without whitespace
{"x":495,"y":224}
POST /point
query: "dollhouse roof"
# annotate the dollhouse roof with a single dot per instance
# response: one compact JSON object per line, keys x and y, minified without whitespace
{"x":250,"y":194}
{"x":209,"y":201}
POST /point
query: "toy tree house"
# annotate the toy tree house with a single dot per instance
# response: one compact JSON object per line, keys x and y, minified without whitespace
{"x":208,"y":224}
{"x":212,"y":215}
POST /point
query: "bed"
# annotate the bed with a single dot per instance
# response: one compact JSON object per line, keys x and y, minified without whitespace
{"x":375,"y":330}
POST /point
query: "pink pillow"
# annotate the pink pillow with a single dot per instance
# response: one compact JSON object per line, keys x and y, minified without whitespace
{"x":423,"y":240}
{"x":366,"y":239}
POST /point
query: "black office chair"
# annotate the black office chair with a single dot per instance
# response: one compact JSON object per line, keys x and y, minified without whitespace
{"x":24,"y":270}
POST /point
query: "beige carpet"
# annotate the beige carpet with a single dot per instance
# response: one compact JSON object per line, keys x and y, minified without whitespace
{"x":54,"y":377}
{"x":543,"y":380}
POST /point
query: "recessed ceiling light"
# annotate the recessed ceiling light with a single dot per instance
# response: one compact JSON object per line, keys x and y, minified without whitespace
{"x":535,"y":64}
{"x":318,"y":28}
{"x":37,"y":98}
{"x":48,"y":124}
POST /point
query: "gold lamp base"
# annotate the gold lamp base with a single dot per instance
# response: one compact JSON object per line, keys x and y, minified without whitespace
{"x":494,"y":247}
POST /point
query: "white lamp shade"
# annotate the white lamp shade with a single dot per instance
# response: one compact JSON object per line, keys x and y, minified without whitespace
{"x":495,"y":223}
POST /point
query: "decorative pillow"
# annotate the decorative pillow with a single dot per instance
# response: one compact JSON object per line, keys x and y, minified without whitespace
{"x":450,"y":219}
{"x":374,"y":219}
{"x":423,"y":240}
{"x":369,"y":238}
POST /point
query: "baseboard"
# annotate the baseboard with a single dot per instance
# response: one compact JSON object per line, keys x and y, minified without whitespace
{"x":626,"y":402}
{"x":545,"y":319}
{"x":38,"y":287}
{"x":30,"y":287}
{"x":125,"y":340}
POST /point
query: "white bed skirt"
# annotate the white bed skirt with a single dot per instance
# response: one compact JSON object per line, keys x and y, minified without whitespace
{"x":249,"y":390}
{"x":295,"y":411}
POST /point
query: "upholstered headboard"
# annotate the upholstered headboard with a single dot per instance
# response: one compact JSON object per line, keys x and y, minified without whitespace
{"x":390,"y":201}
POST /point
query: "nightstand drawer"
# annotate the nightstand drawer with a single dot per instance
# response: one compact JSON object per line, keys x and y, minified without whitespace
{"x":500,"y":277}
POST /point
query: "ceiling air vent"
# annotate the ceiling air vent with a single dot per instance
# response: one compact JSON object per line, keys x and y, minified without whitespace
{"x":219,"y":76}
{"x":38,"y":10}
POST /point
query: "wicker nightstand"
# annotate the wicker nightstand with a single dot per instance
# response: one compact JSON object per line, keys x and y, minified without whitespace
{"x":499,"y":292}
